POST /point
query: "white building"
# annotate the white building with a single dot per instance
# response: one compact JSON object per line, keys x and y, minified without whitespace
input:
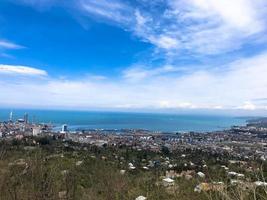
{"x":260,"y":183}
{"x":36,"y":131}
{"x":131,"y":166}
{"x":64,"y":128}
{"x":168,"y":182}
{"x":201,"y":174}
{"x":141,"y":198}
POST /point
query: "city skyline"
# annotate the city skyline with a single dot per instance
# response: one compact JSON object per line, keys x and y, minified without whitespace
{"x":190,"y":55}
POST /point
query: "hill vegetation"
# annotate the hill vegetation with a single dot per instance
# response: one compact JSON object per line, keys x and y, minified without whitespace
{"x":48,"y":169}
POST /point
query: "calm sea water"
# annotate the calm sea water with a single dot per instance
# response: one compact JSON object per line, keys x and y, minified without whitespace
{"x":120,"y":120}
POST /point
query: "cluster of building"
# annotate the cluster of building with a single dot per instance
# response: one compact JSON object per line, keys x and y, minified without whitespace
{"x":239,"y":142}
{"x":242,"y":142}
{"x":21,"y":127}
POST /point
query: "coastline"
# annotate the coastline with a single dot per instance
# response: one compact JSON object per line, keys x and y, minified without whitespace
{"x":119,"y":120}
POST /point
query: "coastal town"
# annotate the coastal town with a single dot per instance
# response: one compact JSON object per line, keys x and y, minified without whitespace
{"x":241,"y":142}
{"x":238,"y":154}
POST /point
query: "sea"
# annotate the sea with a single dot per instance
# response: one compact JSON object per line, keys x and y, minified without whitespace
{"x":86,"y":120}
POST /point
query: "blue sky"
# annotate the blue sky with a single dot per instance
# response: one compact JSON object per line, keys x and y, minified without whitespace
{"x":134,"y":54}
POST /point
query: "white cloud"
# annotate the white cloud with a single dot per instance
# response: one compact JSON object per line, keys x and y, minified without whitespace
{"x":21,"y":70}
{"x":210,"y":27}
{"x":247,"y":106}
{"x":164,"y":42}
{"x":233,"y":86}
{"x":9,"y":45}
{"x":176,"y":105}
{"x":239,"y":14}
{"x":196,"y":26}
{"x":140,"y":20}
{"x":137,"y":73}
{"x":114,"y":11}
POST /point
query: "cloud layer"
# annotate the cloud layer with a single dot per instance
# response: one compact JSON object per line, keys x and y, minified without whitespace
{"x":197,"y":26}
{"x":235,"y":87}
{"x":204,"y":27}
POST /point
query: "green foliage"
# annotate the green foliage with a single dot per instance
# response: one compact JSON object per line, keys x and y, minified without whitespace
{"x":55,"y":170}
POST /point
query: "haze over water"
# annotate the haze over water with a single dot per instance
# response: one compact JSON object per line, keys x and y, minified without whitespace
{"x":122,"y":120}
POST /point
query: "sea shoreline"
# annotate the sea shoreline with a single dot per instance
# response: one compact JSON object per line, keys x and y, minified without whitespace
{"x":122,"y":120}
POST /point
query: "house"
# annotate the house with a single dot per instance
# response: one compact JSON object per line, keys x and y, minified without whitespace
{"x":78,"y":163}
{"x":146,"y":168}
{"x":131,"y":166}
{"x":168,"y":182}
{"x":141,"y":198}
{"x":235,"y":174}
{"x":201,"y":174}
{"x":235,"y":182}
{"x":260,"y":183}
